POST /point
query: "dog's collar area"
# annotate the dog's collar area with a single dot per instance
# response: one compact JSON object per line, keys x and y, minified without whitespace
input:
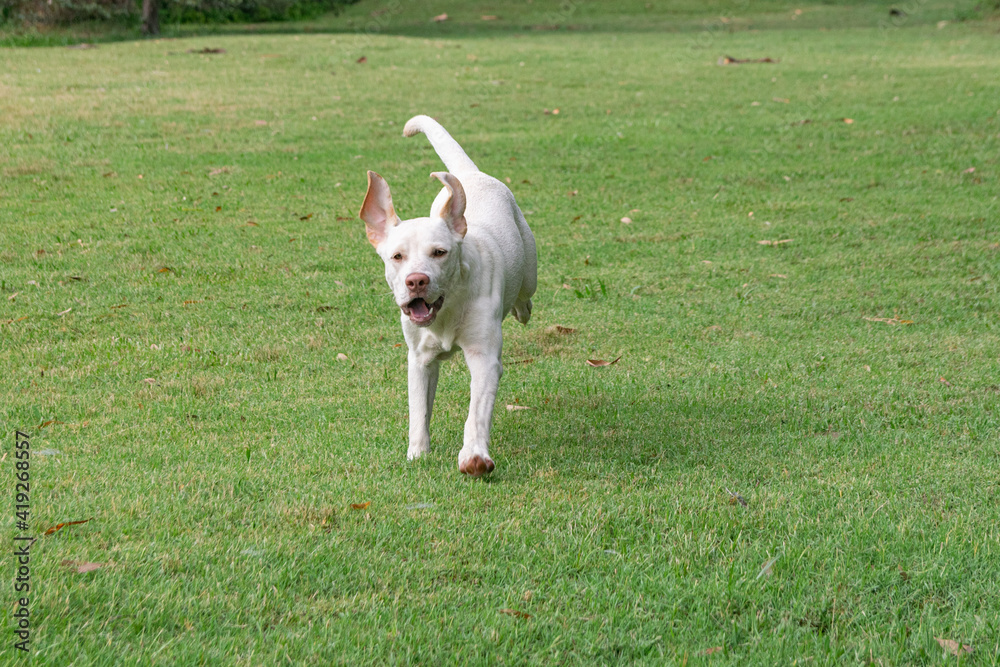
{"x":422,"y":313}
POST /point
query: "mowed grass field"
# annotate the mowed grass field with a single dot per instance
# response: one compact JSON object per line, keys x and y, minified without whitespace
{"x":796,"y":262}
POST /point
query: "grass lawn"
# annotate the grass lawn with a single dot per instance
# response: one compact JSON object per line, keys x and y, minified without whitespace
{"x":199,"y":340}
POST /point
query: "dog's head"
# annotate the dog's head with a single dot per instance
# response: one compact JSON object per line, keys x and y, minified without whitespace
{"x":423,"y":256}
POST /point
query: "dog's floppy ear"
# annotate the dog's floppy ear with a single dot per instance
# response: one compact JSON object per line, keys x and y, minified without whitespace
{"x":377,"y":211}
{"x":453,"y":211}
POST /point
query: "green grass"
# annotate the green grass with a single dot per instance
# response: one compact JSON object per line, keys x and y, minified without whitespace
{"x":204,"y":422}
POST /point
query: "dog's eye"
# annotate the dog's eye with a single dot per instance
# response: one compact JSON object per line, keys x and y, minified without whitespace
{"x":398,"y":256}
{"x":439,"y":252}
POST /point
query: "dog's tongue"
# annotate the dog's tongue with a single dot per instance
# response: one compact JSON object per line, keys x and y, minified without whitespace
{"x":419,"y":309}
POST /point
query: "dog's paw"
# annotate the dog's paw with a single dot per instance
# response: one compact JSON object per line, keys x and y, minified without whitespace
{"x":416,"y":451}
{"x":476,"y":466}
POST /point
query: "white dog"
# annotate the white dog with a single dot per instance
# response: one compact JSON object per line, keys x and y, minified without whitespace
{"x":455,"y":275}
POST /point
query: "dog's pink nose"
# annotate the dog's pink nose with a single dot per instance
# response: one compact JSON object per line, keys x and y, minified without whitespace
{"x":417,"y":281}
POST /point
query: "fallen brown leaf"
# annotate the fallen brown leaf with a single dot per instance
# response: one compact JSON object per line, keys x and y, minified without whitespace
{"x":306,"y":217}
{"x":440,"y":18}
{"x":710,"y":651}
{"x":360,"y":506}
{"x":252,"y":223}
{"x":889,"y":320}
{"x":601,"y":362}
{"x":515,"y":612}
{"x":82,"y":567}
{"x":849,"y":121}
{"x":783,"y":100}
{"x":766,"y":242}
{"x":729,"y":60}
{"x":60,"y":526}
{"x":765,"y":570}
{"x":560,"y":329}
{"x":489,"y":17}
{"x":361,"y":60}
{"x":736,"y":498}
{"x":953,"y":647}
{"x":341,"y":356}
{"x":164,"y":270}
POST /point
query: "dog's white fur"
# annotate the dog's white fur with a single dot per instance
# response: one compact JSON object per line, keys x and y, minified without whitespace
{"x":477,"y":256}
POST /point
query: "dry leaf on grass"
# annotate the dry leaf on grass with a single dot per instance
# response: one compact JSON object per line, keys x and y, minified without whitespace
{"x":81,"y":566}
{"x":729,"y":60}
{"x":341,"y":356}
{"x":60,"y":526}
{"x":765,"y":570}
{"x":601,"y":362}
{"x":627,"y":220}
{"x":440,"y":18}
{"x":849,"y":121}
{"x":360,"y":506}
{"x":63,"y":312}
{"x":512,"y":408}
{"x":889,"y":320}
{"x":953,"y":647}
{"x":944,"y":382}
{"x":970,"y":170}
{"x":489,"y":17}
{"x":560,"y":329}
{"x":710,"y":651}
{"x":736,"y":498}
{"x":515,"y":612}
{"x":362,"y":60}
{"x":767,"y":242}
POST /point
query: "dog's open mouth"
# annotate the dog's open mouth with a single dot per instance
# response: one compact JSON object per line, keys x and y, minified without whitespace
{"x":422,"y":313}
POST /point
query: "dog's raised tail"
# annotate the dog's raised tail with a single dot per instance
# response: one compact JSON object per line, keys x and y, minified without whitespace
{"x":448,"y":150}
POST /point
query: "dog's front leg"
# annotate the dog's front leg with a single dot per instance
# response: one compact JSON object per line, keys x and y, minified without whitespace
{"x":486,"y":369}
{"x":422,"y":383}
